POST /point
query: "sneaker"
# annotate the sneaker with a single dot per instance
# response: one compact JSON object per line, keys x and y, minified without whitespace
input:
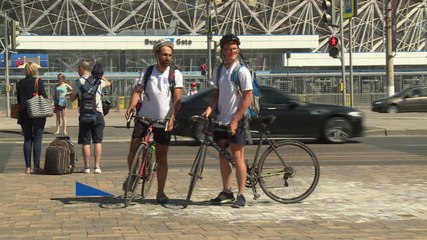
{"x":97,"y":170}
{"x":85,"y":170}
{"x":240,"y":202}
{"x":161,"y":198}
{"x":223,"y":198}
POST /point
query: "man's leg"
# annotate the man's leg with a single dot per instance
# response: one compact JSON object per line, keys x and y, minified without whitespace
{"x":133,"y":147}
{"x":237,"y":151}
{"x":162,"y":166}
{"x":97,"y":152}
{"x":225,"y":168}
{"x":86,"y":154}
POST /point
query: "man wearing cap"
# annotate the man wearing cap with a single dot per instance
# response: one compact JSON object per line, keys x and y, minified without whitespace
{"x":193,"y":89}
{"x":161,"y":100}
{"x":231,"y":103}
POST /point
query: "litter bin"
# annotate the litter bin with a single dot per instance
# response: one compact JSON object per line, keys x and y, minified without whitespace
{"x":121,"y":102}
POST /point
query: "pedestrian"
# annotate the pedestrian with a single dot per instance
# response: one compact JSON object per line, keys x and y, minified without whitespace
{"x":90,"y":132}
{"x":193,"y":89}
{"x":230,"y":103}
{"x":32,"y":128}
{"x":62,"y":89}
{"x":160,"y":101}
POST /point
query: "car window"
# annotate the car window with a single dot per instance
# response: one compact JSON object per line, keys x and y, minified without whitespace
{"x":269,"y":96}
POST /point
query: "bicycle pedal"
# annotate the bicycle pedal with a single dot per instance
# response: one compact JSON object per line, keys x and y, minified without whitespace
{"x":256,"y":196}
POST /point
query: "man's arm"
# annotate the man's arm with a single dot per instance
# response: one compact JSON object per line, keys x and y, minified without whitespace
{"x":74,"y":93}
{"x":213,"y":103}
{"x":134,"y":99}
{"x":175,"y":109}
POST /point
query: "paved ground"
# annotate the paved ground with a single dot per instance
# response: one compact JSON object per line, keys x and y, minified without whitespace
{"x":350,"y":202}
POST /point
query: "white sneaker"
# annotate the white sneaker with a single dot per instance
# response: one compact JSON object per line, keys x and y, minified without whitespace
{"x":85,"y":170}
{"x":97,"y":170}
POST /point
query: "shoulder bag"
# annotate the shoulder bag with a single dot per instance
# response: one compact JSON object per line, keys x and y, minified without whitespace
{"x":38,"y":106}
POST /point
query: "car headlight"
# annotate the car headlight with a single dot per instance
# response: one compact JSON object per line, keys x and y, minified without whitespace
{"x":379,"y":102}
{"x":355,"y":114}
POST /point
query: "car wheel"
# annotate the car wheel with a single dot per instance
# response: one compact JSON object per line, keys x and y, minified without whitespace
{"x":337,"y":130}
{"x":393,"y":109}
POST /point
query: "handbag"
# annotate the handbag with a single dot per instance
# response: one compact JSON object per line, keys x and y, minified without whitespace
{"x":15,"y":110}
{"x":106,"y":106}
{"x":38,"y":106}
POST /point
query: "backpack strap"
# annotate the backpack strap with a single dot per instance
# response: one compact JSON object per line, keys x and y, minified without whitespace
{"x":234,"y":75}
{"x":171,"y":78}
{"x":90,"y":80}
{"x":147,"y":75}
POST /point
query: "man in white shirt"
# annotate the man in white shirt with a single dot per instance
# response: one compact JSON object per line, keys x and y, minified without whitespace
{"x":231,"y":102}
{"x":159,"y":102}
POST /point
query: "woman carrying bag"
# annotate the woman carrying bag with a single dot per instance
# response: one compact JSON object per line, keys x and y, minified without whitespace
{"x":32,"y":128}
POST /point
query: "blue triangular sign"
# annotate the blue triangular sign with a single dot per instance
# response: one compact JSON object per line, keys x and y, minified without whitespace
{"x":83,"y":190}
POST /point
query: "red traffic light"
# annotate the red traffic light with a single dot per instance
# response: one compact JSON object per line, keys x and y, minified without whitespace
{"x":333,"y":41}
{"x":203,"y":67}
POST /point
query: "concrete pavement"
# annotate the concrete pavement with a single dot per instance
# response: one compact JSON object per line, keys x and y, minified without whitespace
{"x":350,"y":202}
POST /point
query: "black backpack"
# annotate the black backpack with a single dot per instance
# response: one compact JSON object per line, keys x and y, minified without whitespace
{"x":88,"y":100}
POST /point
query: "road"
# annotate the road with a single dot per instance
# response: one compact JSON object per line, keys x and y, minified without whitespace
{"x":363,"y":151}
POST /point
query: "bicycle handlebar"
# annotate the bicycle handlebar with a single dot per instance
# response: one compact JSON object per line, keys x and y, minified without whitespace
{"x":149,"y":120}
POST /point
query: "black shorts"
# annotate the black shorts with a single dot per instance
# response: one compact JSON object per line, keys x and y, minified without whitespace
{"x":92,"y":131}
{"x":238,"y":138}
{"x":159,"y":134}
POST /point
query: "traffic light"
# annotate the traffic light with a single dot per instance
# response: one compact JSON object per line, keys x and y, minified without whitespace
{"x":15,"y":30}
{"x":329,"y":15}
{"x":203,"y":69}
{"x":333,"y":47}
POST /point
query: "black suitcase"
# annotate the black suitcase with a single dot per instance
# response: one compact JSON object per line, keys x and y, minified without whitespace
{"x":60,"y":157}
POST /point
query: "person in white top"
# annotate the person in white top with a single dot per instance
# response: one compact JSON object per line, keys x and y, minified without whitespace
{"x":159,"y":102}
{"x":90,"y":132}
{"x":231,"y":103}
{"x":193,"y":89}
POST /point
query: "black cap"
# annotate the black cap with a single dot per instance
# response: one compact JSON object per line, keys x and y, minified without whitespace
{"x":229,"y":38}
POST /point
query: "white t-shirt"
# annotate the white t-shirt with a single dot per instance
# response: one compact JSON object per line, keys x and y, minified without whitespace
{"x":157,"y":102}
{"x":86,"y":85}
{"x":230,"y":97}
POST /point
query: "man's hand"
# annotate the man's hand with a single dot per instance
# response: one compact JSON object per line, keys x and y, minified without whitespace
{"x":170,"y":124}
{"x":233,"y":127}
{"x":207,"y":112}
{"x":129,"y":112}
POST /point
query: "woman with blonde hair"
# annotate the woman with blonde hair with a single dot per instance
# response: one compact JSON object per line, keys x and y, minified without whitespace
{"x":32,"y":128}
{"x":62,"y":89}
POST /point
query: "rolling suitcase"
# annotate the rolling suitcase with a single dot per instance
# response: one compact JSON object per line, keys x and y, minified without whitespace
{"x":60,"y":157}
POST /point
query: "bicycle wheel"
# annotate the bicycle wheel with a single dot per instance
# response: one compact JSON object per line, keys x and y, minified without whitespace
{"x":196,"y":171}
{"x":288,"y":171}
{"x":133,"y":178}
{"x":149,"y":171}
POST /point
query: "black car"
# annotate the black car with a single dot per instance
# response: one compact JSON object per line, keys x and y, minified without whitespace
{"x":408,"y":100}
{"x":332,"y":123}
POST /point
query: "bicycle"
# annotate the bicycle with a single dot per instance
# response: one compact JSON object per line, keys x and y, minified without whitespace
{"x":142,"y":172}
{"x":288,"y":170}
